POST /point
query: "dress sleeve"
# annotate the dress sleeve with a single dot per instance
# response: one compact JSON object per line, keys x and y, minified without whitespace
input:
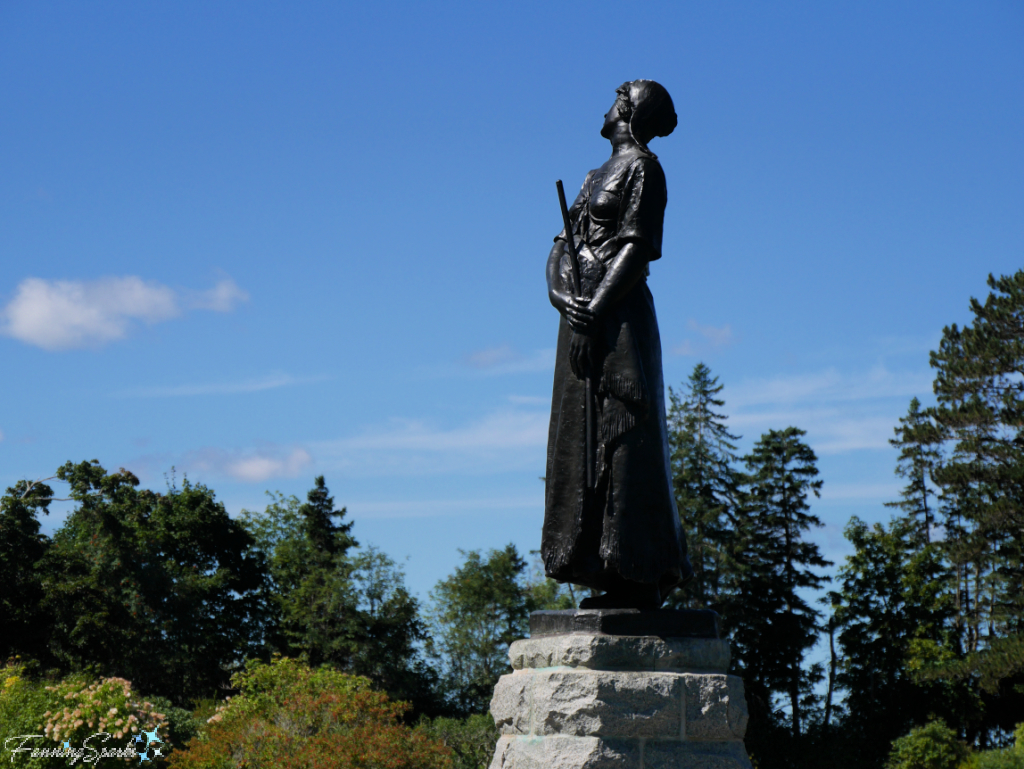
{"x":576,"y":207}
{"x":642,"y":210}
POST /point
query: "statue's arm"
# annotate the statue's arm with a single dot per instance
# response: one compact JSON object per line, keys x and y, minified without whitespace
{"x":576,"y":311}
{"x":623,"y":271}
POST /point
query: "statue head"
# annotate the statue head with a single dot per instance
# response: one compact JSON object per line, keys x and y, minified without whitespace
{"x":646,"y":106}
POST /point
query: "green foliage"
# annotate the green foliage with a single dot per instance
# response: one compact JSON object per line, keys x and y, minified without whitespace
{"x":471,"y":740}
{"x":23,"y":627}
{"x":159,"y":589}
{"x":291,"y":716}
{"x":891,"y":606}
{"x":476,"y":614}
{"x":1007,"y":758}
{"x":707,"y":490}
{"x":777,"y":564}
{"x":932,"y":746}
{"x":91,"y":715}
{"x":331,"y":605}
{"x":23,"y":702}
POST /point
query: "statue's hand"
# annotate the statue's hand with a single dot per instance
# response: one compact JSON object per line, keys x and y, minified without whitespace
{"x":576,"y":311}
{"x":582,"y":349}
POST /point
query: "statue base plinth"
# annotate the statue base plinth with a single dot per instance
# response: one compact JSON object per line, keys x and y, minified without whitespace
{"x":603,"y":698}
{"x":665,"y":623}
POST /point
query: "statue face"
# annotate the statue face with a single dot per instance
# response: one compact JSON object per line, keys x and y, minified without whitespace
{"x":612,"y":117}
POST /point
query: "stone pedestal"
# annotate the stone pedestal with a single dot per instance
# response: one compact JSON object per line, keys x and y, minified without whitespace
{"x":590,"y":691}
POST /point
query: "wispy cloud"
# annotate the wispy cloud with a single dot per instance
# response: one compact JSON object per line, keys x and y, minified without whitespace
{"x":252,"y":466}
{"x":67,"y":314}
{"x":258,"y":384}
{"x":428,"y":508}
{"x":841,"y":411}
{"x":503,"y":440}
{"x":712,"y":337}
{"x":504,"y":359}
{"x":831,"y":385}
{"x":223,"y":297}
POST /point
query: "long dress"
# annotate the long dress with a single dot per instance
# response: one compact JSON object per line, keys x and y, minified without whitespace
{"x":627,"y":526}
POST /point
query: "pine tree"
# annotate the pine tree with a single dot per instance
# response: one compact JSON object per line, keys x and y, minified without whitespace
{"x":979,"y":387}
{"x":919,"y":442}
{"x":779,"y":626}
{"x":706,"y":484}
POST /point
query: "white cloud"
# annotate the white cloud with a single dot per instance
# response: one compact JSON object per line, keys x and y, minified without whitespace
{"x":66,"y":314}
{"x":252,"y":466}
{"x":221,"y":298}
{"x":260,"y":468}
{"x":269,"y":382}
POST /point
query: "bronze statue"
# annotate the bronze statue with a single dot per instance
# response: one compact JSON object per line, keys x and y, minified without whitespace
{"x":610,"y":520}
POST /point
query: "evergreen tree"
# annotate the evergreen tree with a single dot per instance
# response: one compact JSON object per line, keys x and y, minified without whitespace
{"x":351,"y":610}
{"x":892,"y":605}
{"x":980,"y":410}
{"x":777,"y":625}
{"x":706,"y":488}
{"x":919,"y":442}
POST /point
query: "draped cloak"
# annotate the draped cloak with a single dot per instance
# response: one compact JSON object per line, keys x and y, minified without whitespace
{"x":627,"y":526}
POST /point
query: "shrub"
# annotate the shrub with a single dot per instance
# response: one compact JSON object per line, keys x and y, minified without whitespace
{"x":74,"y":711}
{"x":290,"y":716}
{"x":933,"y":746}
{"x":472,"y":740}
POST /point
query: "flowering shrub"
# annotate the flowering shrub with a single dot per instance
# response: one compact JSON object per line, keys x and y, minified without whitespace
{"x":290,"y":716}
{"x":106,"y":705}
{"x":40,"y":719}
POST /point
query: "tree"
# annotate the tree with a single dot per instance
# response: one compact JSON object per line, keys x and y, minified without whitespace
{"x":919,"y":442}
{"x":707,"y":486}
{"x":312,"y":571}
{"x":390,"y":634}
{"x":160,"y":589}
{"x":476,"y":614}
{"x":338,"y":606}
{"x":893,"y":606}
{"x":778,"y":626}
{"x":979,"y":388}
{"x":23,"y":627}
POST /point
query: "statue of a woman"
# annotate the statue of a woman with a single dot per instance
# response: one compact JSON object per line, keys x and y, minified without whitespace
{"x":622,"y":536}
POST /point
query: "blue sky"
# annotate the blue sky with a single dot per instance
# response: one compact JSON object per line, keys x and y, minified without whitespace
{"x":259,"y":242}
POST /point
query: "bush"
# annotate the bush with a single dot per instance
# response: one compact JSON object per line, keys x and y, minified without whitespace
{"x":933,"y":746}
{"x":290,"y":716}
{"x":94,"y":717}
{"x":1009,"y":758}
{"x":472,"y":740}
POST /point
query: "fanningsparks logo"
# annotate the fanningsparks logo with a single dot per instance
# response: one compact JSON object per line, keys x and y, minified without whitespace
{"x":92,"y":749}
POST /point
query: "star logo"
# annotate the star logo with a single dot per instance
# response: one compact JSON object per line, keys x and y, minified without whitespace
{"x":144,"y":756}
{"x":67,"y":746}
{"x":151,"y":737}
